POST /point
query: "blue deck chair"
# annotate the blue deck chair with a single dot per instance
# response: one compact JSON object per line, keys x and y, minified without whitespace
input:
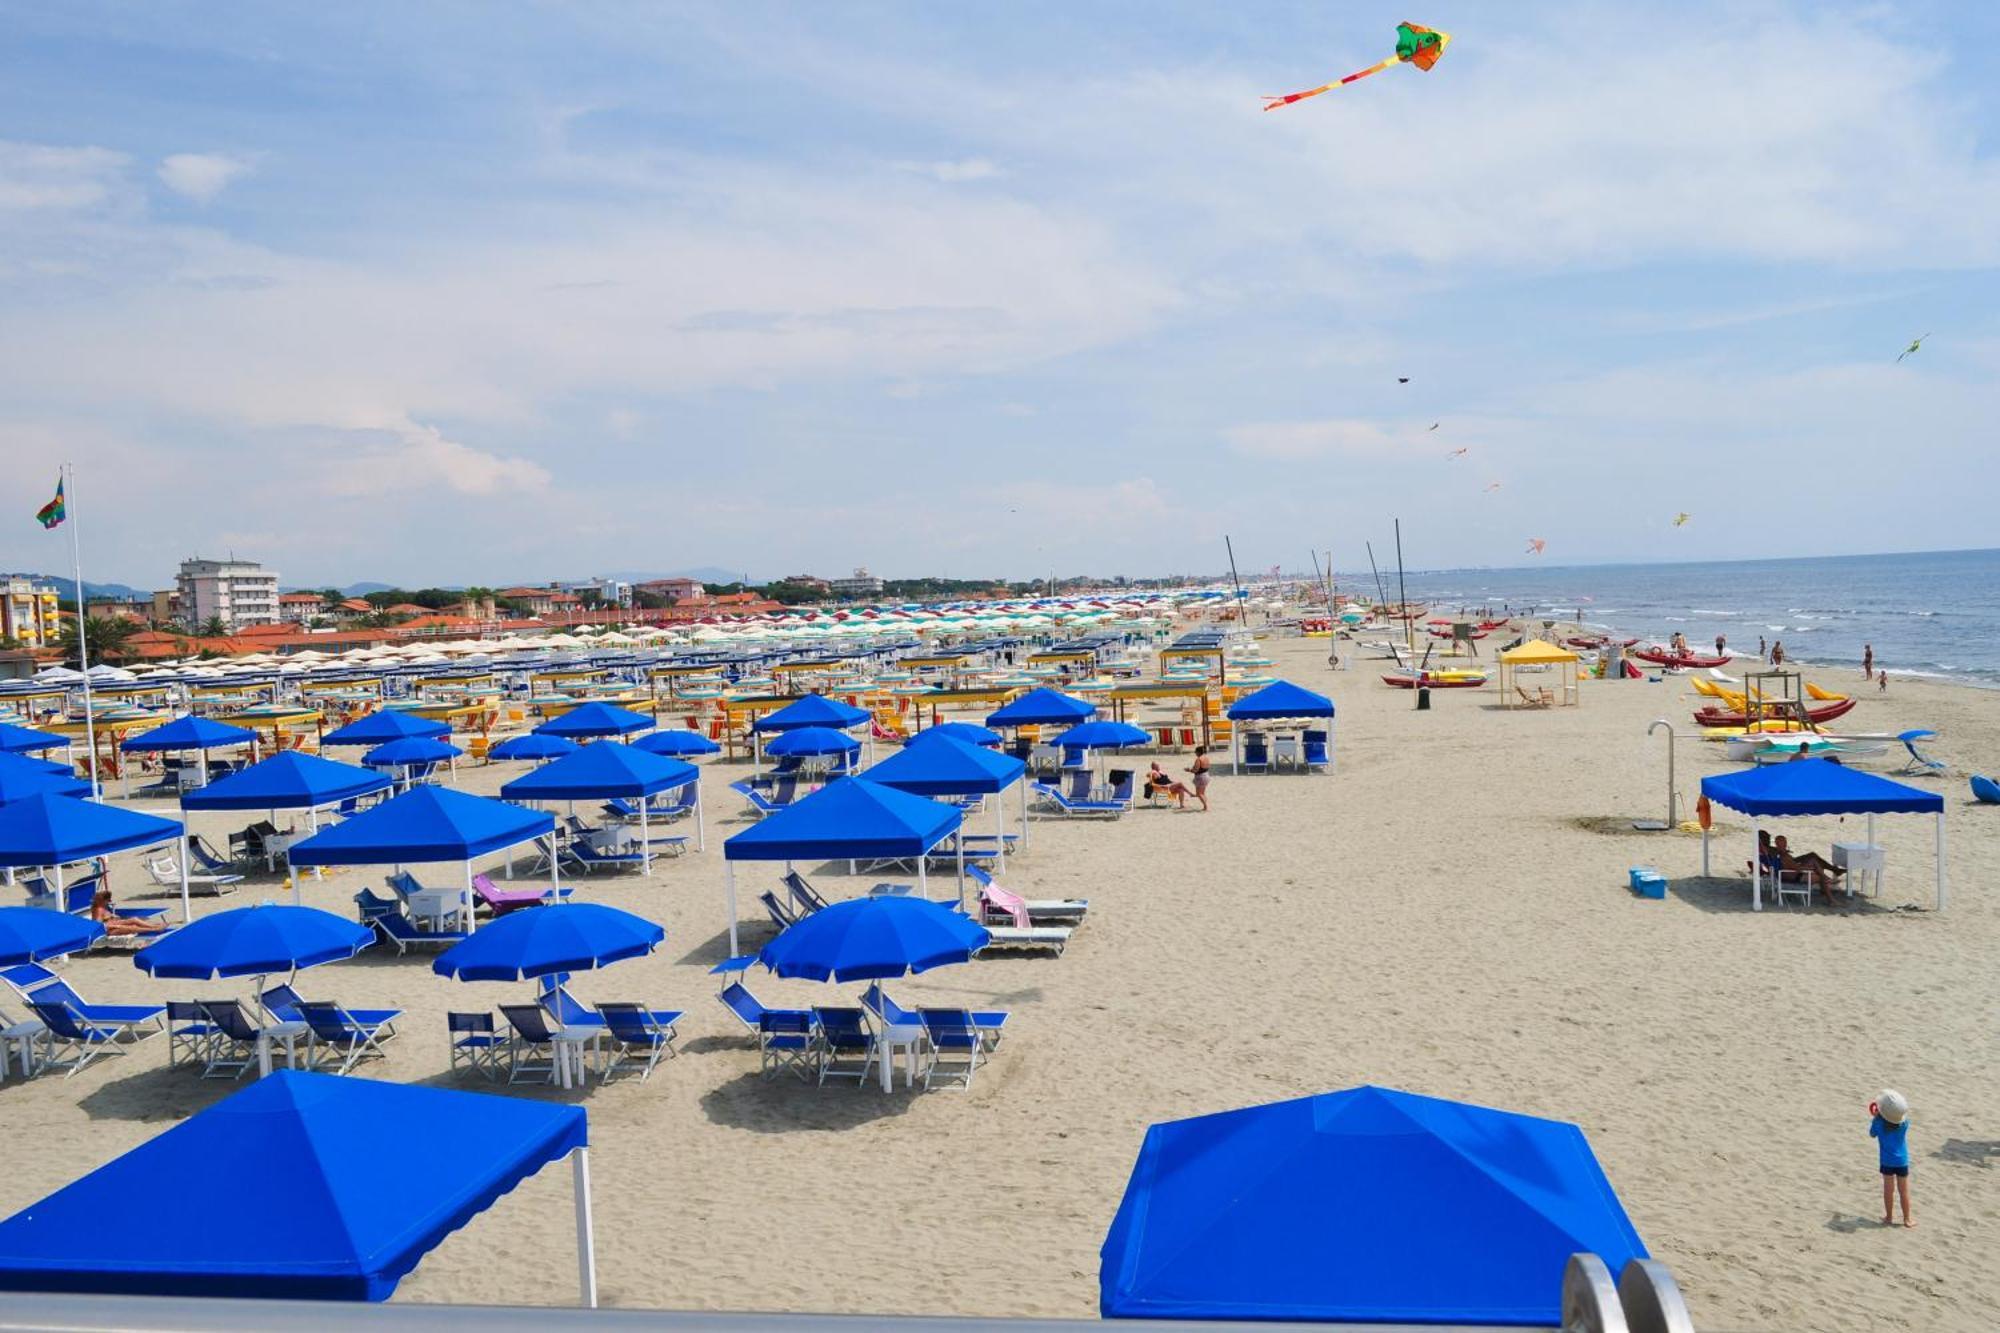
{"x":989,"y":1023}
{"x":1074,"y":758}
{"x":843,"y":1047}
{"x":476,"y":1043}
{"x":1055,"y":800}
{"x":587,"y":856}
{"x":764,"y":802}
{"x":635,"y":1031}
{"x":1121,"y":787}
{"x":781,"y":915}
{"x":206,"y":857}
{"x":342,"y":1032}
{"x":785,"y":1041}
{"x":189,"y":1033}
{"x":1316,"y":750}
{"x":805,"y":895}
{"x":1918,"y":762}
{"x":1057,"y":911}
{"x":36,"y":984}
{"x":286,"y":1005}
{"x":532,"y":1037}
{"x":67,"y":1034}
{"x":232,"y":1047}
{"x":955,"y":1047}
{"x":1256,"y":754}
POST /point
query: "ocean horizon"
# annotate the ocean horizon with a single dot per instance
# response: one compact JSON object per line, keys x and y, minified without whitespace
{"x":1926,"y":613}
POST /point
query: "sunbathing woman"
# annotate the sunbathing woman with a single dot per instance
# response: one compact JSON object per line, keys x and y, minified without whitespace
{"x":1821,"y":872}
{"x":115,"y":925}
{"x":1160,"y":783}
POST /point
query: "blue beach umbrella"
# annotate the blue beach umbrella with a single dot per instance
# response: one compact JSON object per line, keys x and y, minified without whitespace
{"x":1249,"y":1215}
{"x":21,"y":778}
{"x":411,"y":752}
{"x":1101,"y":736}
{"x":677,"y":743}
{"x":25,"y":740}
{"x":811,"y":741}
{"x":379,"y":728}
{"x":594,"y":720}
{"x":31,"y":934}
{"x":252,"y":942}
{"x":864,"y":939}
{"x":969,"y":733}
{"x":532,"y":745}
{"x":567,"y":937}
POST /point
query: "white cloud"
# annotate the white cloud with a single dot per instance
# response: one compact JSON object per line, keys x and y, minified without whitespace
{"x":201,"y":176}
{"x":52,"y":178}
{"x":416,"y":456}
{"x":955,"y":171}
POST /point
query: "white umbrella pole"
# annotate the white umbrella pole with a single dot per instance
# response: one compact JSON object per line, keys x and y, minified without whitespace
{"x":1940,"y":861}
{"x":1756,"y":869}
{"x":466,"y":925}
{"x":923,"y":880}
{"x":187,"y":903}
{"x":645,"y":837}
{"x":700,"y":823}
{"x":586,"y":1240}
{"x":999,"y":835}
{"x":729,"y":889}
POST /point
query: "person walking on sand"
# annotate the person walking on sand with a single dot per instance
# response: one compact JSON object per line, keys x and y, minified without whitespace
{"x":1867,"y":661}
{"x":1882,"y":681}
{"x":1889,"y":1126}
{"x":1760,"y":648}
{"x":1777,"y":652}
{"x":1200,"y":771}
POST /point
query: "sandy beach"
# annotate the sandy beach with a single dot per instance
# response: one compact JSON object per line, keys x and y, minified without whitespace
{"x":1446,"y":913}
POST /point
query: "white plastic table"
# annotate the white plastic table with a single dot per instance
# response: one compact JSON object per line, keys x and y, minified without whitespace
{"x":1861,"y":860}
{"x":909,"y":1036}
{"x":569,"y":1044}
{"x":20,"y":1037}
{"x":288,"y":1033}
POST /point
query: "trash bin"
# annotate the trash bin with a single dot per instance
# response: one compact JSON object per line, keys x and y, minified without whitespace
{"x":1423,"y":698}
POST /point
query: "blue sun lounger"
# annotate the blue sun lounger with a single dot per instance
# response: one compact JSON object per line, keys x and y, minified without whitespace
{"x":1918,"y":762}
{"x":344,"y":1033}
{"x":35,"y":984}
{"x":1056,"y":800}
{"x":989,"y":1023}
{"x":784,"y":1036}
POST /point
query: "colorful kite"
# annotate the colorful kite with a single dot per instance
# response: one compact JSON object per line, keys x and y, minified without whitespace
{"x":1535,"y":545}
{"x":1460,"y":453}
{"x":1492,"y":486}
{"x":1680,"y":520}
{"x":1414,"y":45}
{"x":1915,"y":343}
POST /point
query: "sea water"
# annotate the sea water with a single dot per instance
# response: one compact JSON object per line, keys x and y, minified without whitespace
{"x":1926,"y":613}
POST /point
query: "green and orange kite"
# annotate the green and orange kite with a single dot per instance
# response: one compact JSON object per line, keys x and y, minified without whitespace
{"x":1415,"y":45}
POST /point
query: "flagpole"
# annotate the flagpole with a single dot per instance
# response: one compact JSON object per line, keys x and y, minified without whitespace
{"x":82,"y":634}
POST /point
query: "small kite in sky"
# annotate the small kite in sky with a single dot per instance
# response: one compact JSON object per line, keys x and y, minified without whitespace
{"x":1459,"y":453}
{"x":1915,"y":343}
{"x":1535,"y":545}
{"x":1680,"y":520}
{"x":1492,"y":486}
{"x":1415,"y":45}
{"x":1436,"y":424}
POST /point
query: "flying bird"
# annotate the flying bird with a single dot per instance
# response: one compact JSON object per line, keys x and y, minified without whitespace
{"x":1460,"y":453}
{"x":1915,"y":343}
{"x":1415,"y":45}
{"x":1402,"y":379}
{"x":1535,"y":545}
{"x":1436,"y":424}
{"x":1492,"y":486}
{"x":1680,"y":520}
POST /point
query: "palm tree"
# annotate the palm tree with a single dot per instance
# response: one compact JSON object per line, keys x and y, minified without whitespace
{"x":109,"y":640}
{"x":215,"y":627}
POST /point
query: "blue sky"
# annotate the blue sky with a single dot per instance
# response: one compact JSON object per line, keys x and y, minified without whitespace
{"x":479,"y":293}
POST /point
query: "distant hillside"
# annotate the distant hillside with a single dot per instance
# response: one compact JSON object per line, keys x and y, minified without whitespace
{"x":363,"y":589}
{"x":121,"y":591}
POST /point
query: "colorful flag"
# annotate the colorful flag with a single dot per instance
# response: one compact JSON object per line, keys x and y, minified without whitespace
{"x":54,"y":512}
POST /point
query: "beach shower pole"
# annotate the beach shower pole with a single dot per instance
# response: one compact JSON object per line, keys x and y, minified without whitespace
{"x":1672,"y":794}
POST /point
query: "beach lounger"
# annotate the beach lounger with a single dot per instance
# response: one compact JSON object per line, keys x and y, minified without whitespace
{"x":475,"y":1043}
{"x":66,"y":1034}
{"x":396,"y":929}
{"x":36,"y":984}
{"x":1918,"y":763}
{"x":954,"y":1044}
{"x":287,"y":1006}
{"x":42,"y":892}
{"x":344,"y":1033}
{"x":587,"y":854}
{"x":843,"y":1047}
{"x":206,"y":857}
{"x":634,"y":1030}
{"x":1256,"y":757}
{"x":1053,"y":800}
{"x":165,"y":871}
{"x":1540,"y":699}
{"x":989,"y":1023}
{"x":1052,"y":938}
{"x":752,"y":1013}
{"x":1050,"y":910}
{"x":501,"y":901}
{"x":764,"y":802}
{"x":189,"y":1033}
{"x":532,"y":1037}
{"x":232,"y":1047}
{"x":805,"y":895}
{"x":1315,"y":746}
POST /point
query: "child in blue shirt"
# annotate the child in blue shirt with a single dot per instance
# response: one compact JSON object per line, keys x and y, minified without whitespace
{"x":1890,"y":1128}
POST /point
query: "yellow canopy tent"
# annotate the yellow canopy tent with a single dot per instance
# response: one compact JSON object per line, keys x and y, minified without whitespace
{"x":1537,"y":653}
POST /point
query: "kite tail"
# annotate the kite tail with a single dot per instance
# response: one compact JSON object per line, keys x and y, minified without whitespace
{"x":1273,"y":103}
